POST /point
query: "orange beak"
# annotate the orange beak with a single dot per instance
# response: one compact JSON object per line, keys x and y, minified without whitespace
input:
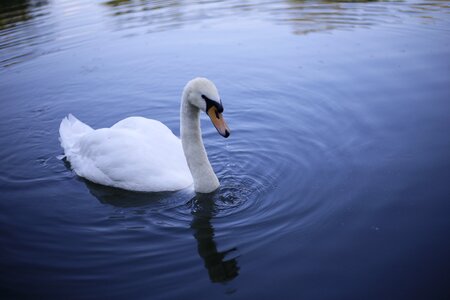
{"x":218,"y":121}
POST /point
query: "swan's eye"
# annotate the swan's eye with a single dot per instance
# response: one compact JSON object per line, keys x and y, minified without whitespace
{"x":210,"y":103}
{"x":220,"y":107}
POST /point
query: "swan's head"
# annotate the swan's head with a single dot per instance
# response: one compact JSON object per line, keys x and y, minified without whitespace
{"x":203,"y":94}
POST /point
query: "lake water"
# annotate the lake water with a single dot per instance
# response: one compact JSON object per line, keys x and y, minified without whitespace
{"x":335,"y":180}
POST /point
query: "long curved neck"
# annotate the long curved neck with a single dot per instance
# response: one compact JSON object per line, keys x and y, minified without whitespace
{"x":205,"y":180}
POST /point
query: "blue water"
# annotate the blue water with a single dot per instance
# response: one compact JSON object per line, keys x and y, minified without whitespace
{"x":334,"y":182}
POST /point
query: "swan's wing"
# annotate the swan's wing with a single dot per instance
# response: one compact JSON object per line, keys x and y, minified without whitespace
{"x":147,"y":127}
{"x":135,"y":154}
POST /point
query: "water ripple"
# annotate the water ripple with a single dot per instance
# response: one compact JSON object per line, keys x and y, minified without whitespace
{"x":300,"y":140}
{"x":28,"y":29}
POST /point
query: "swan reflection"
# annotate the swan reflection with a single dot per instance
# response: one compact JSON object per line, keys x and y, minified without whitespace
{"x":203,"y":209}
{"x":219,"y":268}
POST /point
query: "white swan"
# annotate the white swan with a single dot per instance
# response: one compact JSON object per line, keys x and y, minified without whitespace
{"x":141,"y":154}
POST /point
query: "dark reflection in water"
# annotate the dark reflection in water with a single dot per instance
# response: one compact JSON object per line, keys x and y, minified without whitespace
{"x":219,"y":269}
{"x":28,"y":27}
{"x":12,"y":12}
{"x":304,"y":16}
{"x":313,"y":16}
{"x":122,"y":198}
{"x":117,"y":2}
{"x":15,"y":11}
{"x":20,"y":30}
{"x":203,"y":208}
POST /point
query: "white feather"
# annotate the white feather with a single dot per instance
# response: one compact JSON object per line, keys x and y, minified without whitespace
{"x":136,"y":154}
{"x":141,"y":154}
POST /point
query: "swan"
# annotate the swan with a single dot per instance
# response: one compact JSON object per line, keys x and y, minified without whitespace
{"x":141,"y":154}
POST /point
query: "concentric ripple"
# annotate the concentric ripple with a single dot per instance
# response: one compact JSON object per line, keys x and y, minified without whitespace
{"x":327,"y":103}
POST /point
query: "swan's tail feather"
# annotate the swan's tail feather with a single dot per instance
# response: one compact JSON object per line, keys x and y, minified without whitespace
{"x":70,"y":131}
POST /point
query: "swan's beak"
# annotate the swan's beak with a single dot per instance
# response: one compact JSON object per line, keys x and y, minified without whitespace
{"x":218,"y":121}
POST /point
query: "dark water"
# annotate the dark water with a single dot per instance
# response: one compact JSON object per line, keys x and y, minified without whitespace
{"x":335,"y":181}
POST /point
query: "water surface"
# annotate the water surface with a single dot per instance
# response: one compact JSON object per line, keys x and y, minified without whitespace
{"x":334,"y":180}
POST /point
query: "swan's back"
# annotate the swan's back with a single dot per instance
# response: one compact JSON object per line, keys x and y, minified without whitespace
{"x":135,"y":154}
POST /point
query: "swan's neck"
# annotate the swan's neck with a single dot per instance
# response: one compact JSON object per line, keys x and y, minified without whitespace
{"x":205,"y":180}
